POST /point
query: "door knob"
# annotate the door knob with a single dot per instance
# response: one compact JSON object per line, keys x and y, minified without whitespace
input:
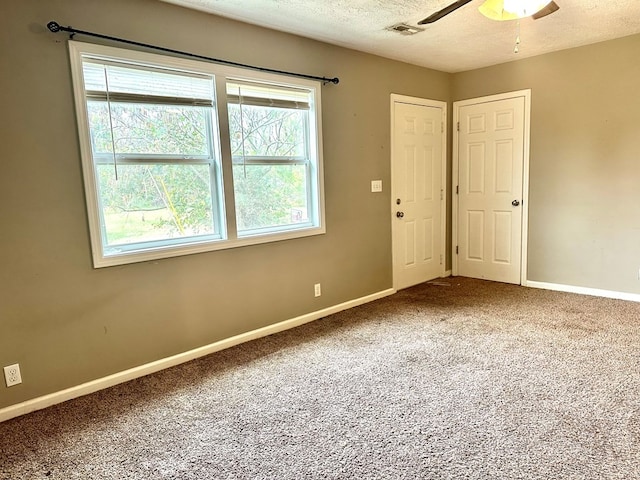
{"x":515,"y":203}
{"x":399,"y":214}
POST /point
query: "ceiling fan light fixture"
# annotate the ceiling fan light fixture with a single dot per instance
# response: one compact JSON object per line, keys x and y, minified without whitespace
{"x":524,"y":8}
{"x":511,"y":9}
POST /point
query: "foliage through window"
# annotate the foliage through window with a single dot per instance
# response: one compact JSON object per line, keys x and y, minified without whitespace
{"x":271,"y":159}
{"x":152,"y":142}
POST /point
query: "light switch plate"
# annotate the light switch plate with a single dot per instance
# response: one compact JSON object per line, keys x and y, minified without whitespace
{"x":376,"y":186}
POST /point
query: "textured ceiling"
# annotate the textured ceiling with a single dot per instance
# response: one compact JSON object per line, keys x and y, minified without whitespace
{"x":464,"y":40}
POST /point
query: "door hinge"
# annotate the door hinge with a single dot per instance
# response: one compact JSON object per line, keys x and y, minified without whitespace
{"x":458,"y":126}
{"x":457,"y":189}
{"x":440,"y":259}
{"x":441,"y":194}
{"x":442,"y":128}
{"x":456,"y":249}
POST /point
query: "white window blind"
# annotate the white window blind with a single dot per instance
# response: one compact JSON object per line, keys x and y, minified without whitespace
{"x":249,"y":93}
{"x":127,"y":83}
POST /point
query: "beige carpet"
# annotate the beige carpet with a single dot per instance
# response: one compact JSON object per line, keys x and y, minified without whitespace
{"x":467,"y":380}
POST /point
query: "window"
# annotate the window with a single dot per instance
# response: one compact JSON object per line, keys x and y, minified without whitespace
{"x":155,"y":143}
{"x":272,"y":162}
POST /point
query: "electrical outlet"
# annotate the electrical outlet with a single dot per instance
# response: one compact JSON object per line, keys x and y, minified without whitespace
{"x":376,"y":186}
{"x":317,"y":290}
{"x":12,"y":375}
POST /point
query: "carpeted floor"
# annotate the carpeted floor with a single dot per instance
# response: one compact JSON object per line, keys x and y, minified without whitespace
{"x":462,"y":380}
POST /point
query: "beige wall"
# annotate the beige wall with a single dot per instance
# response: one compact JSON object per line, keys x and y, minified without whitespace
{"x":66,"y":323}
{"x":584,"y":209}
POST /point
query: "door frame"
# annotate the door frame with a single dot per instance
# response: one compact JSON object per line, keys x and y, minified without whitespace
{"x":526,"y":94}
{"x":397,"y":98}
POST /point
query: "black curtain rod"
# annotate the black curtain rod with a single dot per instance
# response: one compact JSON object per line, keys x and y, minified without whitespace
{"x":55,"y":28}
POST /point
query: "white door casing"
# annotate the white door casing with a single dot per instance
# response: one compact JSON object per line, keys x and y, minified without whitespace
{"x":490,"y":181}
{"x":418,"y":177}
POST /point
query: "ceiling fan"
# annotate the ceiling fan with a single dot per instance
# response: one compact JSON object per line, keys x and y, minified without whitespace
{"x":500,"y":9}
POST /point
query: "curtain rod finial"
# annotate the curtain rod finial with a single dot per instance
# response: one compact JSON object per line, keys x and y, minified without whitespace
{"x":53,"y":26}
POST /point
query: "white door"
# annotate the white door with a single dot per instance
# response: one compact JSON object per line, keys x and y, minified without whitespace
{"x":417,"y":191}
{"x":491,"y":154}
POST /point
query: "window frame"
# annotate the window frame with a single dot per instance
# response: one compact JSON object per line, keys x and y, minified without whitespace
{"x":222,"y":163}
{"x":305,"y":160}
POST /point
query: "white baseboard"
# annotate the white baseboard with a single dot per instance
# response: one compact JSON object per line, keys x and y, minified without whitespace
{"x":136,"y":372}
{"x":633,"y":297}
{"x":446,"y":274}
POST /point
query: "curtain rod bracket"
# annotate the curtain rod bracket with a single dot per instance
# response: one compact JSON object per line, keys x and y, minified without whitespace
{"x":55,"y":27}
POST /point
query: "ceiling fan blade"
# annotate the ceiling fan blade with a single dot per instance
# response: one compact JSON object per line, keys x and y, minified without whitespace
{"x":444,"y":12}
{"x":549,"y":9}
